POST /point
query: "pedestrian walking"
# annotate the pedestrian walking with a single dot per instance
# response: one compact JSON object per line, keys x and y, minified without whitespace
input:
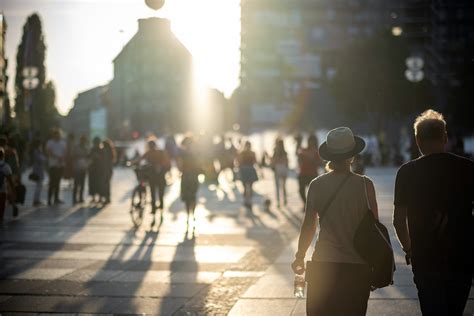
{"x":170,"y":146}
{"x":190,"y":170}
{"x":56,"y":154}
{"x":338,"y":278}
{"x":158,"y":164}
{"x":38,"y":170}
{"x":308,"y":163}
{"x":68,"y":173}
{"x":247,"y":172}
{"x":96,"y":170}
{"x":80,"y":165}
{"x":279,"y":163}
{"x":7,"y":185}
{"x":11,"y":158}
{"x":110,"y":157}
{"x":433,"y":219}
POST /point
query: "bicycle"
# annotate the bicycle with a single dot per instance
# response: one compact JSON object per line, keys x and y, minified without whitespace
{"x":138,"y":199}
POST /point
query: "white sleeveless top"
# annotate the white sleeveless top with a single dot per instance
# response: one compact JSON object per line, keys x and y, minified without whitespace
{"x":339,"y":224}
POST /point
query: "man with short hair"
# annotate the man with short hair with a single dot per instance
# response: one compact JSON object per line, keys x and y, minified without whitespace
{"x":433,"y":219}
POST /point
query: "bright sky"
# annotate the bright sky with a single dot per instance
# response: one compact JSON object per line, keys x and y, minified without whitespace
{"x":83,"y":36}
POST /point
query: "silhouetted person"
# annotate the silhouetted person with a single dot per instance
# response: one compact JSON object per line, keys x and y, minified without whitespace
{"x":11,"y":158}
{"x":96,"y":170}
{"x":170,"y":146}
{"x":158,"y":164}
{"x":190,"y":170}
{"x":5,"y":178}
{"x":298,"y":142}
{"x":248,"y":174}
{"x":68,"y":173}
{"x":308,"y":162}
{"x":80,"y":165}
{"x":279,"y":163}
{"x":56,"y":154}
{"x":38,"y":170}
{"x":339,"y":282}
{"x":110,"y":158}
{"x":433,"y":219}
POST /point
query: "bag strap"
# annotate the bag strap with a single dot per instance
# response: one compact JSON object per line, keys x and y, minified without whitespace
{"x":331,"y":199}
{"x":366,"y":195}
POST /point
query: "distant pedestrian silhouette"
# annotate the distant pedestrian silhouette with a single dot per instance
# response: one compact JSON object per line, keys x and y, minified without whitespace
{"x":190,"y":170}
{"x":308,"y":163}
{"x":56,"y":153}
{"x":279,"y":163}
{"x":247,"y":172}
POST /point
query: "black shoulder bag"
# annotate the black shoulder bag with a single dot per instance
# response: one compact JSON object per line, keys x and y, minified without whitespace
{"x":372,"y":243}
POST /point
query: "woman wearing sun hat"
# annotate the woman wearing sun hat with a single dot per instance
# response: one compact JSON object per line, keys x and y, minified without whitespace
{"x":337,"y":277}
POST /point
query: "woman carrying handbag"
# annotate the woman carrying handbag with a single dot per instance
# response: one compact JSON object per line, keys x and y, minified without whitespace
{"x":338,"y":278}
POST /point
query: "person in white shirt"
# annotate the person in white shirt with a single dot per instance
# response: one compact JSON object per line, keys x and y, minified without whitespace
{"x":56,"y":153}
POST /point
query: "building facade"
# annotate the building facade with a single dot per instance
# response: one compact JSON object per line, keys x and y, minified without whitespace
{"x":286,"y":55}
{"x":150,"y":91}
{"x":89,"y":115}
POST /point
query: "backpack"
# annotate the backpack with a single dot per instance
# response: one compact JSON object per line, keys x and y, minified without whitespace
{"x":372,"y":243}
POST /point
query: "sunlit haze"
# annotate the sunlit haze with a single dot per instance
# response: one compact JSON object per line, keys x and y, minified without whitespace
{"x":84,"y":36}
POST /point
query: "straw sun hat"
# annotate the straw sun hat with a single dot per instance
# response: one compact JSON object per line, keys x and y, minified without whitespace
{"x":341,"y":144}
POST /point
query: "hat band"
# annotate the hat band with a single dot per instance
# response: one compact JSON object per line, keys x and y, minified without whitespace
{"x":342,"y":150}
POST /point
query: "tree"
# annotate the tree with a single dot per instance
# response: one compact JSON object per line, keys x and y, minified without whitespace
{"x":32,"y":53}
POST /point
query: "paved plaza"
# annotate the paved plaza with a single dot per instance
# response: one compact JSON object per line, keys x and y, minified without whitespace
{"x":90,"y":260}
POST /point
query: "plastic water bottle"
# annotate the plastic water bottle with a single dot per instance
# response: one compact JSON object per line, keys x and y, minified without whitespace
{"x":299,"y":286}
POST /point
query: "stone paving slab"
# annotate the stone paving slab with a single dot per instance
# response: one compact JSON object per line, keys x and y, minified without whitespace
{"x":142,"y":276}
{"x":152,"y":306}
{"x":88,"y":275}
{"x":138,"y":289}
{"x":61,"y":304}
{"x":263,"y":307}
{"x":41,"y":274}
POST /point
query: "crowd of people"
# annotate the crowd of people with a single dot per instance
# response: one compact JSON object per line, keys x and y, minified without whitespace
{"x":432,"y":217}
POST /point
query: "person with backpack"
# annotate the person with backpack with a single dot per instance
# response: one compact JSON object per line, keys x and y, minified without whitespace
{"x":338,"y":278}
{"x":6,"y":177}
{"x":309,"y":162}
{"x":433,"y":219}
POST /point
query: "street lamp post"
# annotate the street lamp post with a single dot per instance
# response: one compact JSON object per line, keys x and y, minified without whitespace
{"x":414,"y":72}
{"x":30,"y":83}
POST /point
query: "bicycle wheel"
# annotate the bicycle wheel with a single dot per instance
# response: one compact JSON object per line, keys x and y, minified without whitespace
{"x":138,"y":205}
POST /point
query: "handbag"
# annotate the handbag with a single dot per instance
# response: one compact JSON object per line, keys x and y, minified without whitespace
{"x":372,"y":243}
{"x":33,"y":177}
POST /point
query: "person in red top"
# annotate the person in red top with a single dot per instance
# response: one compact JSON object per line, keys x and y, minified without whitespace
{"x":309,"y":162}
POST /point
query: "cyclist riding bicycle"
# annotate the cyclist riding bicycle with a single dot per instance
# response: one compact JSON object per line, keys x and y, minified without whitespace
{"x":157,"y":165}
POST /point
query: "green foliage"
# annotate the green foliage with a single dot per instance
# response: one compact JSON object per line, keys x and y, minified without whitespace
{"x":32,"y":52}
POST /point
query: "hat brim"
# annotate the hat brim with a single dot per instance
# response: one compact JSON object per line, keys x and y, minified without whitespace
{"x":326,"y":154}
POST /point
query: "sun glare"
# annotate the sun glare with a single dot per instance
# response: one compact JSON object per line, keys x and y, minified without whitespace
{"x":210,"y":29}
